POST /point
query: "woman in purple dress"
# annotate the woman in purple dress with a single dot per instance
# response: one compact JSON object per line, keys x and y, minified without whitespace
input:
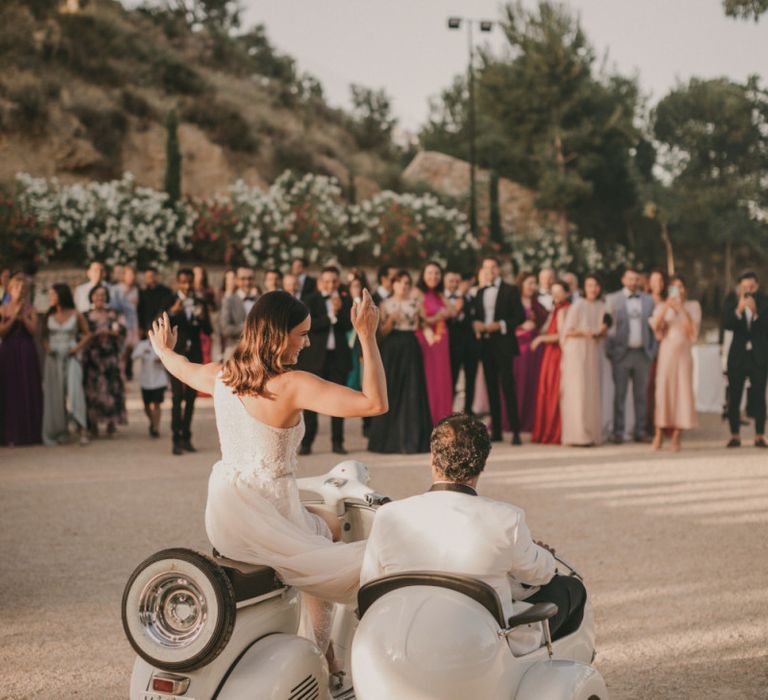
{"x":527,"y":363}
{"x":21,"y":388}
{"x":433,"y":339}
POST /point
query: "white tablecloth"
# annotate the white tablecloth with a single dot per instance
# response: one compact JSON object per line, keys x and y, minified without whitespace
{"x":708,"y":380}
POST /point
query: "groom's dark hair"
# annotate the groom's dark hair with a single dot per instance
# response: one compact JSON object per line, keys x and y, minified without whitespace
{"x":460,"y":446}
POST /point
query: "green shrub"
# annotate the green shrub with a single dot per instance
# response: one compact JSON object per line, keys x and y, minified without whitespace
{"x":30,"y":111}
{"x":106,"y":129}
{"x":137,"y":105}
{"x":224,"y":123}
{"x":292,"y":153}
{"x":177,"y":78}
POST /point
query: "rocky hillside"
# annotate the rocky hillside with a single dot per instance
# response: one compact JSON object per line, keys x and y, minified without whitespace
{"x":85,"y":89}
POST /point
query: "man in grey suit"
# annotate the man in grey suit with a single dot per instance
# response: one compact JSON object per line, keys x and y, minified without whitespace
{"x":631,"y":347}
{"x":235,"y":308}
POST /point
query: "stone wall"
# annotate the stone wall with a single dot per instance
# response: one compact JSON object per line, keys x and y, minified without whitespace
{"x":450,"y":176}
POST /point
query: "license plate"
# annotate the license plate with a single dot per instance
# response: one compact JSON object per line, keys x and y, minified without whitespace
{"x":146,"y":695}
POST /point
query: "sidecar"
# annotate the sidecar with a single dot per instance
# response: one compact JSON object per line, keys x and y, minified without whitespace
{"x":437,"y":636}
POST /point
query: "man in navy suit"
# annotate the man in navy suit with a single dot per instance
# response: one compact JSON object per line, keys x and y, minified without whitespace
{"x":497,"y":311}
{"x":630,"y":346}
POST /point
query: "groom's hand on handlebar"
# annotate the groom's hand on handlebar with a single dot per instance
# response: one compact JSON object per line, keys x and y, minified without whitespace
{"x":551,"y":550}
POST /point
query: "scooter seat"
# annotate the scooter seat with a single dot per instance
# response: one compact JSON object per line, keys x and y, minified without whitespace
{"x":248,"y":580}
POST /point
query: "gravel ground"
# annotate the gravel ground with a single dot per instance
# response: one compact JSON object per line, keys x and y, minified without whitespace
{"x":674,"y":549}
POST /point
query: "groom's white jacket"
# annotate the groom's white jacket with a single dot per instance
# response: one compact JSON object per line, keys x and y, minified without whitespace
{"x":461,"y":534}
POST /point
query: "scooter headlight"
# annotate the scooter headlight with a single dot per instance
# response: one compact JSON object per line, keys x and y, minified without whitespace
{"x":178,"y":610}
{"x":173,"y":610}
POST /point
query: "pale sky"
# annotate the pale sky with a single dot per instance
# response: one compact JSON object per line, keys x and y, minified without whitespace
{"x":405,"y":46}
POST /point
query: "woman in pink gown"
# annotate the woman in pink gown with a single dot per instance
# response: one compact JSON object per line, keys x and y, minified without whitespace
{"x":676,"y":323}
{"x":433,"y":339}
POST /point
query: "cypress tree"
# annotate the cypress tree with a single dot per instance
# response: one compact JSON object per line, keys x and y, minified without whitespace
{"x":172,"y":157}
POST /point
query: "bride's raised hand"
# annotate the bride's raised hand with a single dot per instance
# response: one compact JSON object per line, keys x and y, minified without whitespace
{"x":365,"y":316}
{"x":162,"y":336}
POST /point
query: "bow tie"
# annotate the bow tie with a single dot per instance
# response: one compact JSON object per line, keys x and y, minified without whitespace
{"x":249,"y":299}
{"x":634,"y":296}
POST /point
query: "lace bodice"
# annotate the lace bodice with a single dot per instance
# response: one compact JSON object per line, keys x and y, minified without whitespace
{"x":250,"y":449}
{"x":62,"y":336}
{"x":407,"y":311}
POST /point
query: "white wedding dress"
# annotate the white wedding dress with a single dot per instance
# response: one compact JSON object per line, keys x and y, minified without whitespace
{"x":254,"y":513}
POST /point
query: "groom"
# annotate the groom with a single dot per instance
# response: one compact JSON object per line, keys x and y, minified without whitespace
{"x":452,"y":529}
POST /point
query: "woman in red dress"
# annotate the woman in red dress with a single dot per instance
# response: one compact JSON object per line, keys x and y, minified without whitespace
{"x":546,"y":423}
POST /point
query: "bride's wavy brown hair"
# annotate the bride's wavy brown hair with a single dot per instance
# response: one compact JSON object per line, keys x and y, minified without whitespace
{"x":258,"y":355}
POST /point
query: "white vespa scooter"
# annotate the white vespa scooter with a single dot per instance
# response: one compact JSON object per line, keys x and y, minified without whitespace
{"x":211,"y":628}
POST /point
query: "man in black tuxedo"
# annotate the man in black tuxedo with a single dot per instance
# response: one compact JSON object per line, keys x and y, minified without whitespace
{"x":497,"y":312}
{"x":747,"y":316}
{"x":189,"y":315}
{"x":328,"y":355}
{"x":154,"y":298}
{"x":307,"y":285}
{"x":461,"y":336}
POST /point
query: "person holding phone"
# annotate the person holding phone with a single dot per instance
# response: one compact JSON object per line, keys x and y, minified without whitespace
{"x":747,"y":316}
{"x":189,"y":314}
{"x":676,"y":322}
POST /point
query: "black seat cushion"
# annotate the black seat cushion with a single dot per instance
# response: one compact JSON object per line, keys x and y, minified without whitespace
{"x":248,"y":580}
{"x":477,"y":590}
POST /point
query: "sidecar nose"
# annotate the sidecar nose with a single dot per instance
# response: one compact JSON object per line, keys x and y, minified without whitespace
{"x":426,"y":642}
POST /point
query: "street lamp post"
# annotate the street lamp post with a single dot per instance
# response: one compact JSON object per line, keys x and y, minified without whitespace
{"x":454,"y":23}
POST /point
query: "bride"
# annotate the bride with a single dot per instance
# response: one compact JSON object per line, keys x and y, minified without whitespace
{"x":253,"y":513}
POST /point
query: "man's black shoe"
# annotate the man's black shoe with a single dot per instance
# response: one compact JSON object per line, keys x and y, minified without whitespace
{"x":153,"y":433}
{"x":187,"y":446}
{"x":338,"y":449}
{"x":496,"y":438}
{"x":516,"y":439}
{"x":734,"y":442}
{"x":642,"y":439}
{"x":177,"y":450}
{"x":305,"y":450}
{"x":760,"y":442}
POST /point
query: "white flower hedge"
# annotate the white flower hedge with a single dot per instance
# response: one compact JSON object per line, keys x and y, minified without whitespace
{"x":581,"y":255}
{"x":298,"y":216}
{"x":113,"y":221}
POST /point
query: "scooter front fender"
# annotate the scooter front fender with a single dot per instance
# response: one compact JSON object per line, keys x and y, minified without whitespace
{"x":277,"y":667}
{"x":559,"y":679}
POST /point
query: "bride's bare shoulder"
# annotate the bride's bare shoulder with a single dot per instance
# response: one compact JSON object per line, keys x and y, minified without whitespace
{"x":293,"y":379}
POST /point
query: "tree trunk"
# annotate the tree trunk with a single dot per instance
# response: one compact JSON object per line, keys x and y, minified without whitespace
{"x":668,"y":246}
{"x":562,"y":219}
{"x":728,"y":267}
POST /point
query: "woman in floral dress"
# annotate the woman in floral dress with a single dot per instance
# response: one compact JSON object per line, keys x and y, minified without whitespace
{"x":103,"y":379}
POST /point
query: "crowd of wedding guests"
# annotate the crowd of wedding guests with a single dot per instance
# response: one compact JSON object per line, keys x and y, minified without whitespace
{"x":534,"y":355}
